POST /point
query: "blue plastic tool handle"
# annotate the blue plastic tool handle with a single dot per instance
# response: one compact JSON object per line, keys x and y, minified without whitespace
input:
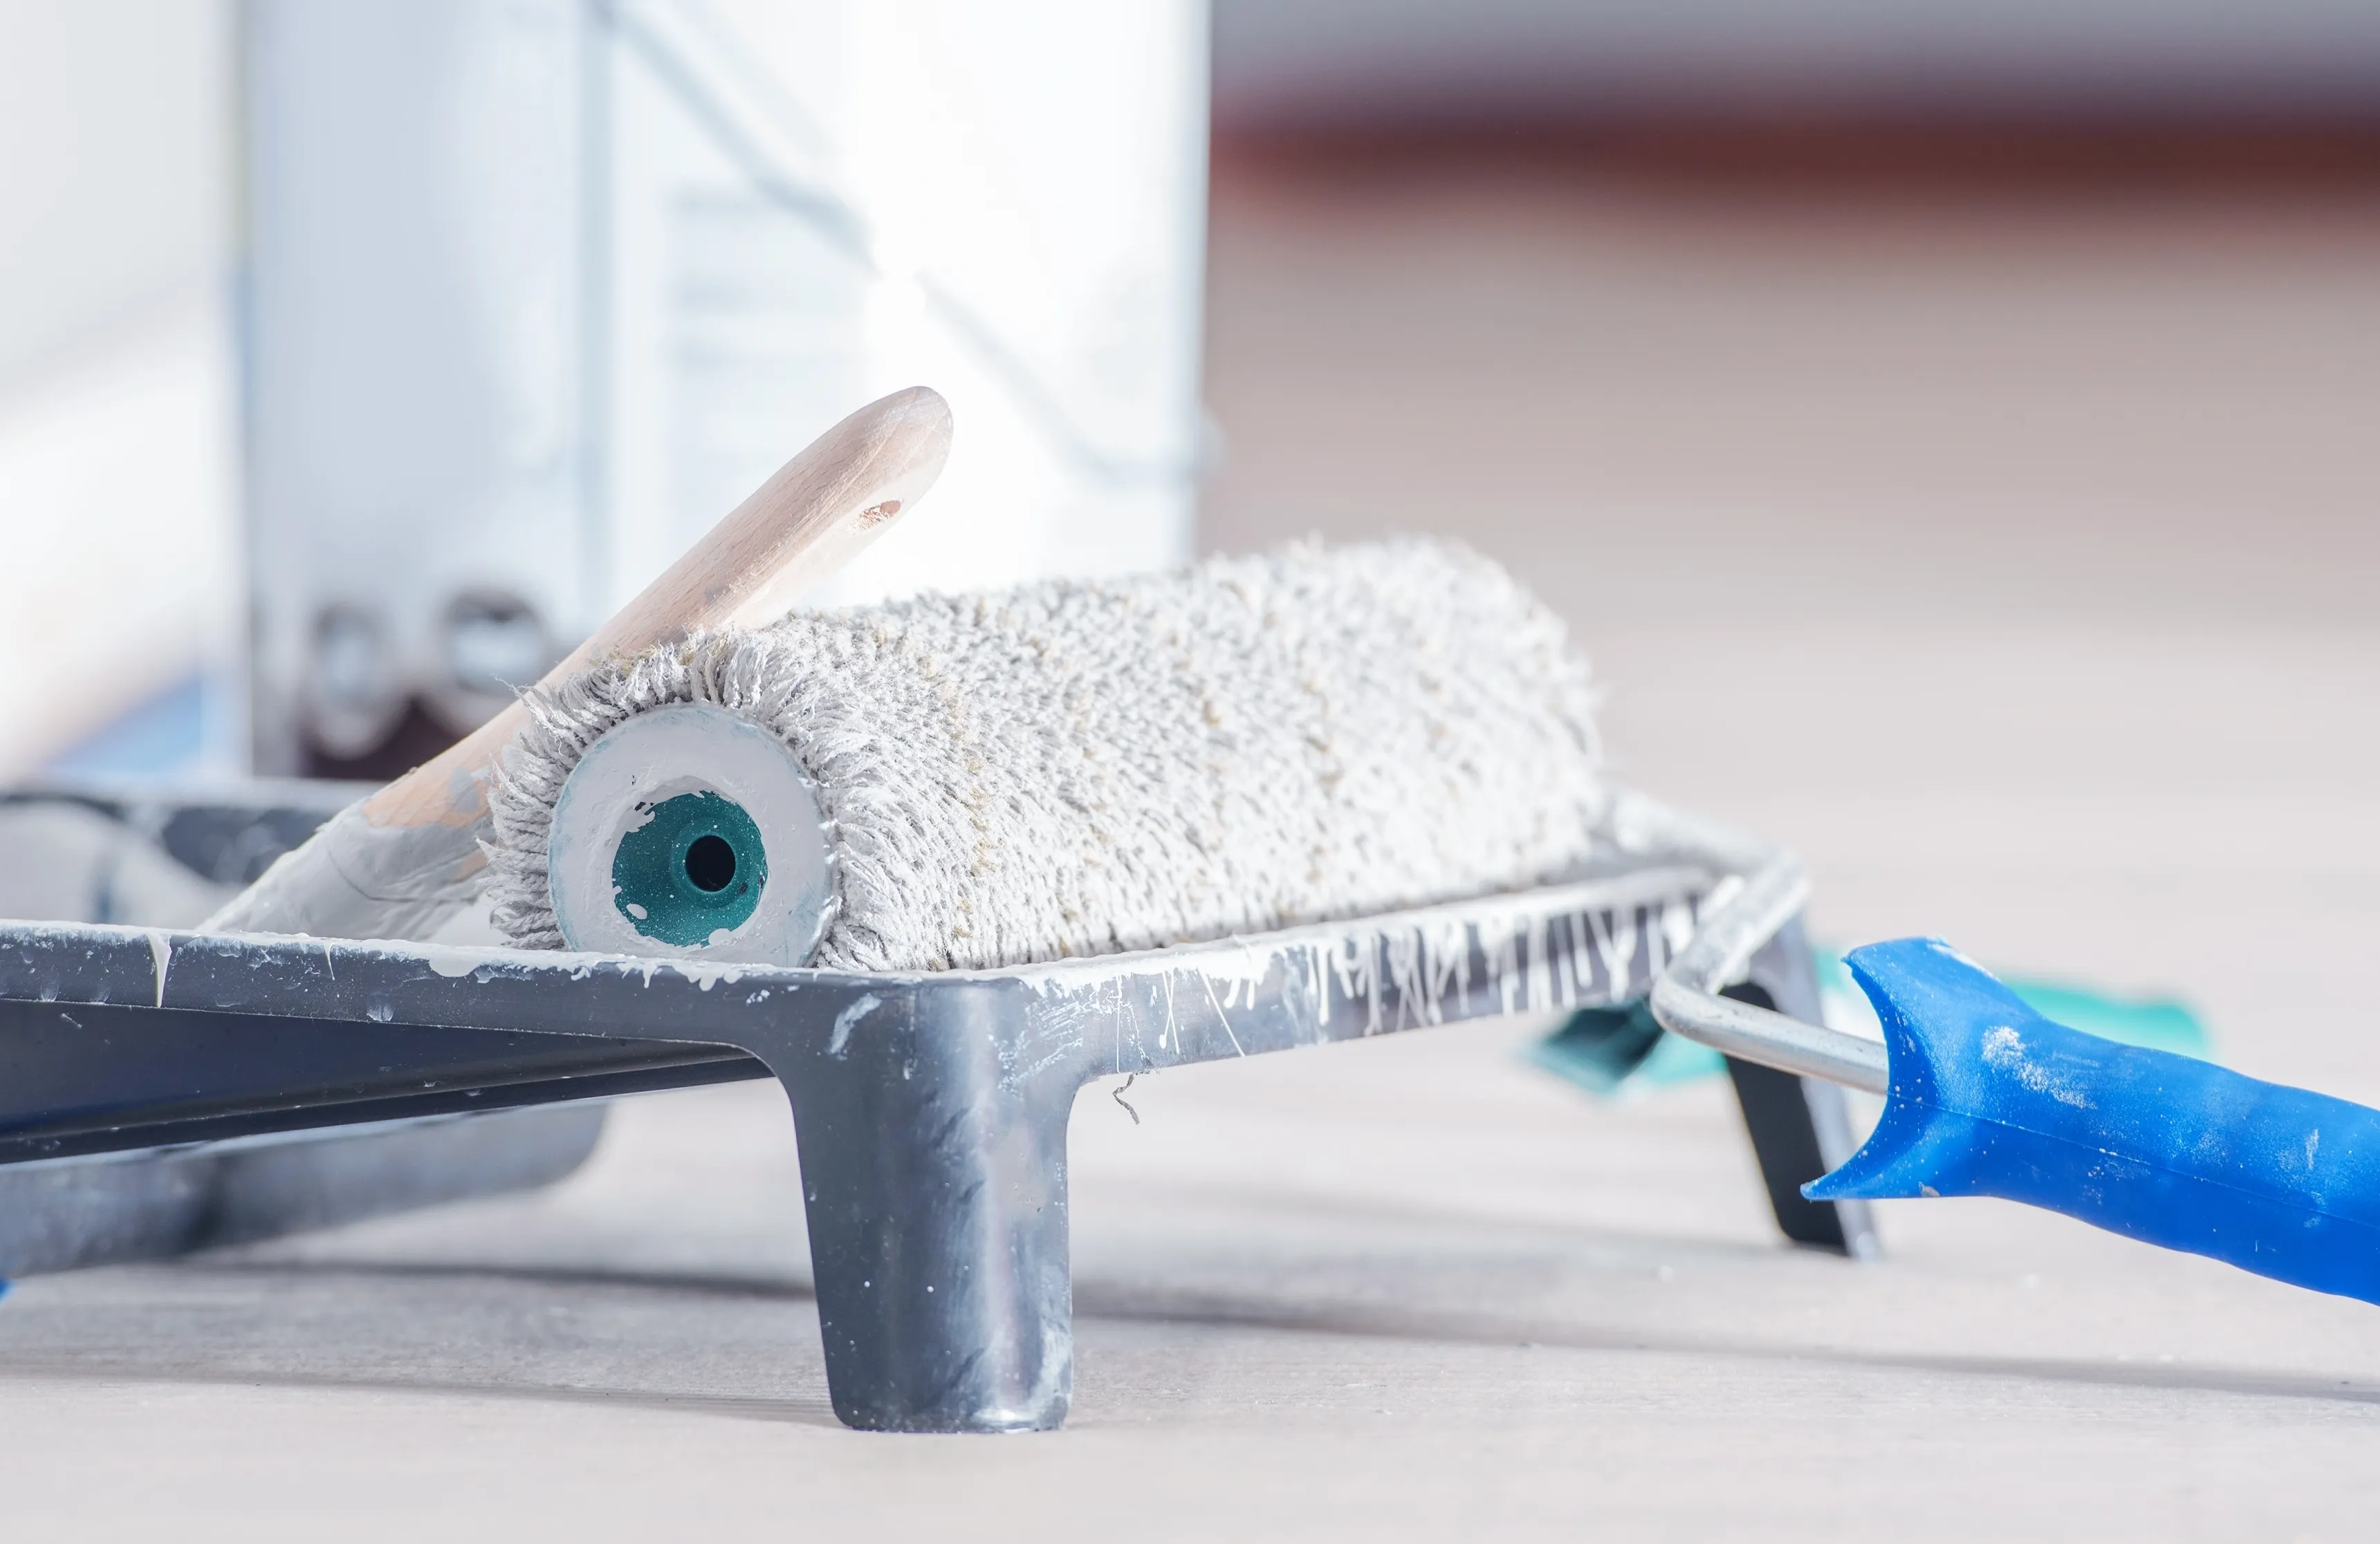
{"x":1988,"y":1098}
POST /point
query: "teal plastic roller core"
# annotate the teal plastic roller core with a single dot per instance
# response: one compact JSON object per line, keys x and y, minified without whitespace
{"x":696,"y":868}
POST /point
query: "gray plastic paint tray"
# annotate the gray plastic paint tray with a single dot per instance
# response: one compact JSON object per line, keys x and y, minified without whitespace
{"x":931,"y":1111}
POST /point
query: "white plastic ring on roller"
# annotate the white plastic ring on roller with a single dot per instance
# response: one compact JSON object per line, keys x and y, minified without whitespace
{"x":692,"y":832}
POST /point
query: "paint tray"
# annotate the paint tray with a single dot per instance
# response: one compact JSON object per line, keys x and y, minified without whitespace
{"x":929,"y":1111}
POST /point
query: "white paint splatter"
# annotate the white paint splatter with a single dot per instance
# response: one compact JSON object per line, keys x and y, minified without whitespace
{"x":839,"y":1043}
{"x":2004,"y":1049}
{"x":1539,"y":950}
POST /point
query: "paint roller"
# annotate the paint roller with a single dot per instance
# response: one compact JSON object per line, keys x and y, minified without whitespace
{"x":1075,"y":768}
{"x":1057,"y":769}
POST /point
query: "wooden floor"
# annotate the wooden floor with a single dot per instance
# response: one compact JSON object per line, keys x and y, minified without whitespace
{"x":2012,"y":554}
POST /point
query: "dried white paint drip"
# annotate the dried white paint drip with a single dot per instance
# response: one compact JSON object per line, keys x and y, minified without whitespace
{"x":1503,"y":956}
{"x":1541,"y":975}
{"x":1403,"y":949}
{"x":1447,"y":952}
{"x":706,"y":974}
{"x":1587,"y":961}
{"x":1582,"y":961}
{"x":1318,"y":985}
{"x":1253,"y":970}
{"x":1222,"y":1015}
{"x":161,"y":951}
{"x":1615,"y":944}
{"x":1677,"y":926}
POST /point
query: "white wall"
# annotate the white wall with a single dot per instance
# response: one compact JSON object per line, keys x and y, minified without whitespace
{"x":115,"y":169}
{"x":117,"y":436}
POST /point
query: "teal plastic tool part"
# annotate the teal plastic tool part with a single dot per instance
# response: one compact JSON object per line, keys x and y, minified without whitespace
{"x":1620,"y":1050}
{"x":1989,"y":1098}
{"x":695,"y":869}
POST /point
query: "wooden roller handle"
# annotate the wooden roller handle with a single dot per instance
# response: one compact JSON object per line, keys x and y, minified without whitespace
{"x":396,"y":864}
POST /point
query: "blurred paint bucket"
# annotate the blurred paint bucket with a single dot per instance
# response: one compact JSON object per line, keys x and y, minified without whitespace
{"x":536,"y":290}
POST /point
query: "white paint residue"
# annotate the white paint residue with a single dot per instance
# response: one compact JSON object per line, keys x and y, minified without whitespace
{"x":1626,"y":895}
{"x":1240,"y":974}
{"x":1677,"y":926}
{"x":705,"y":973}
{"x":1615,"y":944}
{"x":1318,"y":993}
{"x":450,"y":961}
{"x":1448,"y":951}
{"x":1406,"y":969}
{"x":161,"y":949}
{"x":1222,"y":1015}
{"x":1407,"y":977}
{"x":1727,"y":889}
{"x":1581,"y":956}
{"x":1348,"y":972}
{"x":2313,"y":1140}
{"x":1947,"y":952}
{"x":1500,"y":944}
{"x":839,"y":1041}
{"x":2004,"y":1049}
{"x":1541,"y":954}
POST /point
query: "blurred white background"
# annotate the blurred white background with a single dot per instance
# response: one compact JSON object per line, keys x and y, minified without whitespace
{"x":688,"y":240}
{"x":117,"y":412}
{"x":120,"y":208}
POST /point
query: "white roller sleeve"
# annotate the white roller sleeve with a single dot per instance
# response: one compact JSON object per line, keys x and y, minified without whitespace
{"x":1073,"y":769}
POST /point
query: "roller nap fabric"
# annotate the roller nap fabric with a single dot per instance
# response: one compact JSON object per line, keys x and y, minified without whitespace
{"x":1069,"y":768}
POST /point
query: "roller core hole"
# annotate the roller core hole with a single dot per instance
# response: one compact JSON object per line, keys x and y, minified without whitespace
{"x":710,"y":864}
